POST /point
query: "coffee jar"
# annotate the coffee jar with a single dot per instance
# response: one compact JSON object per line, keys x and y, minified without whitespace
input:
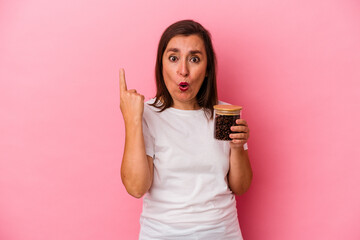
{"x":224,"y":117}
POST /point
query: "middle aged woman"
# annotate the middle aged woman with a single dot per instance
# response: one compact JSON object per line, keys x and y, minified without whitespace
{"x":189,"y":178}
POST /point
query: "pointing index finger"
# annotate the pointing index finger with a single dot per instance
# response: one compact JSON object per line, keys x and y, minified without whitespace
{"x":122,"y":82}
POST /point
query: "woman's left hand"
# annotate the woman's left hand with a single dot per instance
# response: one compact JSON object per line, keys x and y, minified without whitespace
{"x":240,"y":133}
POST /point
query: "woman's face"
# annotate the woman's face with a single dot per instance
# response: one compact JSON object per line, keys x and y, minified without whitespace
{"x":184,"y":69}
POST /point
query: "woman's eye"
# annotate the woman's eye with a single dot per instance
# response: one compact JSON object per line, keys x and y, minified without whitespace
{"x":195,"y":59}
{"x":172,"y":58}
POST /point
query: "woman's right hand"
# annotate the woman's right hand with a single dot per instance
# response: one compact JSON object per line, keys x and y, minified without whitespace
{"x":131,"y":102}
{"x":137,"y":168}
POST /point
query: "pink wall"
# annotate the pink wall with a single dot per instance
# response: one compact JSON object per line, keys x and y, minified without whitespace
{"x":293,"y":65}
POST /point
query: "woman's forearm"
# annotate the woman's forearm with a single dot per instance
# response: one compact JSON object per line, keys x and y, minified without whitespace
{"x":136,"y":167}
{"x":240,"y":173}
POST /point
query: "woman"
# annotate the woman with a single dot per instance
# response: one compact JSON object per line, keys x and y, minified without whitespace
{"x":188,"y":178}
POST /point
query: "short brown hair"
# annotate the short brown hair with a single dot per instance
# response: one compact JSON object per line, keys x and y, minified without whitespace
{"x":207,"y":95}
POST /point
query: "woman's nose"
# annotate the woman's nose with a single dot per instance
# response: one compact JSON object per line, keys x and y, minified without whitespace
{"x":183,"y":69}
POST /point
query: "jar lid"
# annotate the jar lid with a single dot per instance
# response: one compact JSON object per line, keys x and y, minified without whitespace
{"x":227,"y":107}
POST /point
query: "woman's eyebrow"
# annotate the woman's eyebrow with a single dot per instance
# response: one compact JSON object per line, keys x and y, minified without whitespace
{"x":172,"y":50}
{"x":195,"y":52}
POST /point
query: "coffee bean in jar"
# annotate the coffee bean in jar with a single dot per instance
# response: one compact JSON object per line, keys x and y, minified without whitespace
{"x":225,"y":117}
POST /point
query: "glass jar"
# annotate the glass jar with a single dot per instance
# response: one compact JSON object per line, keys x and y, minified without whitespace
{"x":225,"y":117}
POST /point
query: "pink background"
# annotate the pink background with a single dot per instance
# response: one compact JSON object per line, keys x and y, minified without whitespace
{"x":293,"y":65}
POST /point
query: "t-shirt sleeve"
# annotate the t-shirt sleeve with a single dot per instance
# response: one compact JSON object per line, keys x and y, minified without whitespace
{"x":245,"y":146}
{"x":148,"y":139}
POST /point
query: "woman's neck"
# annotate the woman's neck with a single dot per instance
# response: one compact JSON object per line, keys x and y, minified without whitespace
{"x":186,"y":105}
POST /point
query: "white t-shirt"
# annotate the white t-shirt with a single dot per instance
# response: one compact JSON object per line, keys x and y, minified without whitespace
{"x":189,"y":197}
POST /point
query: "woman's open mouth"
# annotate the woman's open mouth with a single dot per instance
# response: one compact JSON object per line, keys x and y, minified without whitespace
{"x":183,"y":86}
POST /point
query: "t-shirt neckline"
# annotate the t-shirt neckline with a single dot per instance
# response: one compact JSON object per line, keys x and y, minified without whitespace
{"x":185,"y":112}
